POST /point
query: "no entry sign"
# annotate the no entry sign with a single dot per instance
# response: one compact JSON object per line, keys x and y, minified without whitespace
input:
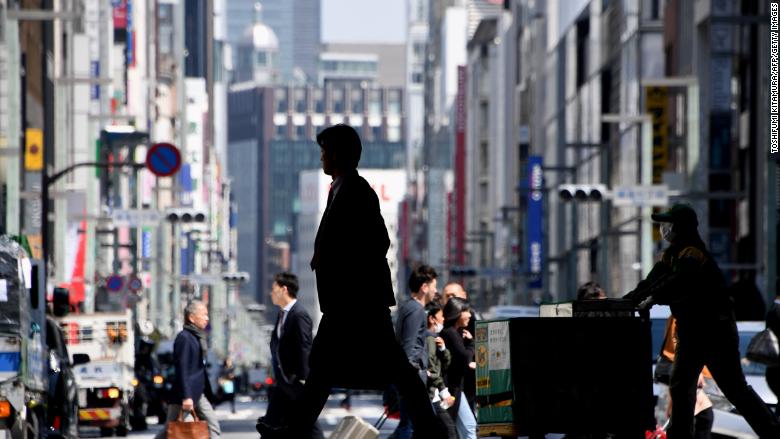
{"x":163,"y":159}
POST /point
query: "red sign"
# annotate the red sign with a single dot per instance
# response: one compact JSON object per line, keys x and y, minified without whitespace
{"x":120,"y":14}
{"x":460,"y":168}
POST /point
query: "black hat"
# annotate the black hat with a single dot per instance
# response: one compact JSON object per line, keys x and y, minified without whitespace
{"x":679,"y":213}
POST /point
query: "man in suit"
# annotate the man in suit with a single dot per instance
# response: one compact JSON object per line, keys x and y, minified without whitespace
{"x":411,"y":330}
{"x":191,"y":385}
{"x":290,"y":346}
{"x":355,"y":346}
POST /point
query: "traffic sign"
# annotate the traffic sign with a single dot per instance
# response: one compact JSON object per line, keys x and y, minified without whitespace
{"x":163,"y":159}
{"x":135,"y":285}
{"x":641,"y":196}
{"x":115,"y":283}
{"x":136,"y":217}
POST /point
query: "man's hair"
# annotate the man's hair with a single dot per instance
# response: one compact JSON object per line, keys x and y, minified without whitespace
{"x":589,"y":291}
{"x":432,"y":308}
{"x":192,"y":308}
{"x":344,"y":139}
{"x":421,"y":275}
{"x":289,"y":280}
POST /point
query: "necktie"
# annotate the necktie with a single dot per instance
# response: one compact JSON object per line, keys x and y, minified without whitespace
{"x":279,"y":326}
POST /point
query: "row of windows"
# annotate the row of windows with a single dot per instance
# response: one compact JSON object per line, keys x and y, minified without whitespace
{"x":338,"y":100}
{"x":350,"y":66}
{"x":374,"y":133}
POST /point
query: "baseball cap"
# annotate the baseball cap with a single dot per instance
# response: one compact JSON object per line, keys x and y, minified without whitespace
{"x":679,"y":213}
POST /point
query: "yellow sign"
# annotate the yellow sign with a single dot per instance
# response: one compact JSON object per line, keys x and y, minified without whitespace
{"x":33,"y":149}
{"x":657,"y":105}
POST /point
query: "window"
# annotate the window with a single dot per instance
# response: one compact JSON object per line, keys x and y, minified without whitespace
{"x":315,"y":129}
{"x":375,"y":102}
{"x":300,"y":132}
{"x":356,"y":101}
{"x":394,"y":102}
{"x":261,"y":58}
{"x":300,"y":100}
{"x":281,"y":100}
{"x":281,"y":132}
{"x":376,"y":133}
{"x":583,"y":35}
{"x":337,"y":100}
{"x":319,"y":100}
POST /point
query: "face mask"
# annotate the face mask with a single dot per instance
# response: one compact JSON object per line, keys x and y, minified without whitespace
{"x":437,"y":328}
{"x":666,"y":232}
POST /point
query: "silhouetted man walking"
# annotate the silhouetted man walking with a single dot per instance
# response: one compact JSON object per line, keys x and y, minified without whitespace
{"x":355,"y":346}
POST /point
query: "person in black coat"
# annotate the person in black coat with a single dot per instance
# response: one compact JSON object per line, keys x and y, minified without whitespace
{"x":773,"y":371}
{"x":355,"y":346}
{"x":290,"y":345}
{"x":458,"y":339}
{"x":191,"y":388}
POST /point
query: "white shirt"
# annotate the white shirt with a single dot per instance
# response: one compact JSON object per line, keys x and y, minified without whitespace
{"x":336,"y":185}
{"x":286,"y":310}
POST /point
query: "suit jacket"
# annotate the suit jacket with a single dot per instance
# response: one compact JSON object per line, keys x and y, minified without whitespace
{"x":190,"y":379}
{"x":351,"y":251}
{"x":773,"y":319}
{"x":290,"y":353}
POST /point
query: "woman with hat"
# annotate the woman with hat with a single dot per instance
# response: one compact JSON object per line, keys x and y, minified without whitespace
{"x":688,"y":279}
{"x":457,"y":314}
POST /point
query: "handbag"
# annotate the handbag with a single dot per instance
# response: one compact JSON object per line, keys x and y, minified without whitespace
{"x":763,"y":348}
{"x":663,"y":370}
{"x":179,"y":429}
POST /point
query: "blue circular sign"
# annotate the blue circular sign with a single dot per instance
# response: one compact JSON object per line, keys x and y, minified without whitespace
{"x":163,"y":159}
{"x":114,"y":283}
{"x":135,"y":284}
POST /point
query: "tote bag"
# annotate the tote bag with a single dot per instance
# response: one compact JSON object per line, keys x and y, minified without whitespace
{"x":763,"y":348}
{"x":179,"y":429}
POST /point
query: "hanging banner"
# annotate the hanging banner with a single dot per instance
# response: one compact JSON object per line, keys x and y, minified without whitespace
{"x":534,"y":222}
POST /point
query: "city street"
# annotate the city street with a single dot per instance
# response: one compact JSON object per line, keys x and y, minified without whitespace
{"x":242,"y":423}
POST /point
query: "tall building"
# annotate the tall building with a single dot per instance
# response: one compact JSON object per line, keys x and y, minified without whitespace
{"x":297,"y":25}
{"x":272,"y":139}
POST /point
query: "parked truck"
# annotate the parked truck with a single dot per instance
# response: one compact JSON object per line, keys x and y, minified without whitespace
{"x":23,"y":351}
{"x":102,"y":345}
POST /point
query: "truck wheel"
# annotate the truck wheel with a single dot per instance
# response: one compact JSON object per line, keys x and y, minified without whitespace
{"x":106,"y":432}
{"x":121,"y":430}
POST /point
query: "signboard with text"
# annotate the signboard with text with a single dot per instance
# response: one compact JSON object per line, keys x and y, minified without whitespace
{"x":640,"y":196}
{"x":534,"y":221}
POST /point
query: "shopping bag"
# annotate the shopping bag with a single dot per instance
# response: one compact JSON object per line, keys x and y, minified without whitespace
{"x":179,"y":429}
{"x":763,"y":348}
{"x":228,"y":387}
{"x":663,"y":370}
